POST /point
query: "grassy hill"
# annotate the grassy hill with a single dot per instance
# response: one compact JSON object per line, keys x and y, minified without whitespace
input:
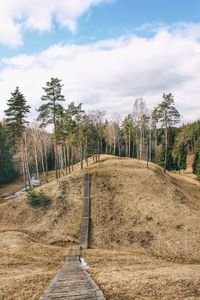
{"x":145,"y":233}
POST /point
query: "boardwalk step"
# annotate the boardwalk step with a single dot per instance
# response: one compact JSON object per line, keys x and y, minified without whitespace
{"x":73,"y":282}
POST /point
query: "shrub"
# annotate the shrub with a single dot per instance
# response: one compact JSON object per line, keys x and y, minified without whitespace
{"x":38,"y":199}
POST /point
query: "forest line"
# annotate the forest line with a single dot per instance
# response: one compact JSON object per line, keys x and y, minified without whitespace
{"x":29,"y":149}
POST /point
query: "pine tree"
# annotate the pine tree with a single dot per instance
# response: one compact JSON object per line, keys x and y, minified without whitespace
{"x":16,"y":114}
{"x":7,"y":169}
{"x":168,"y":116}
{"x":198,"y":171}
{"x":16,"y":122}
{"x":50,"y":112}
{"x":196,"y":163}
{"x":98,"y":128}
{"x":128,"y":128}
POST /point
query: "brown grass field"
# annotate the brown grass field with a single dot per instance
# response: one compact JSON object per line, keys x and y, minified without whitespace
{"x":145,"y":233}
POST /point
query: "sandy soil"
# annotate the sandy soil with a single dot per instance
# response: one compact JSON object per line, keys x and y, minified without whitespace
{"x":145,"y":235}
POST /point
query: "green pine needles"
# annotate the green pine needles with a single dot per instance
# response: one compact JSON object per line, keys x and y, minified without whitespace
{"x":38,"y":199}
{"x":16,"y":114}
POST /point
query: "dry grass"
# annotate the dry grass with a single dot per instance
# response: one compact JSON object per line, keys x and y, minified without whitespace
{"x":145,"y":233}
{"x":26,"y":266}
{"x":32,"y":239}
{"x":11,"y":188}
{"x":127,"y":274}
{"x":18,"y":184}
{"x":147,"y":207}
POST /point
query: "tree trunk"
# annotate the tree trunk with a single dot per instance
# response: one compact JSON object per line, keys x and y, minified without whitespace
{"x":68,"y":158}
{"x":65,"y":158}
{"x":46,"y":163}
{"x":129,"y":144}
{"x":114,"y":142}
{"x":119,"y":148}
{"x":81,"y":154}
{"x":133,"y":150}
{"x":56,"y":160}
{"x":23,"y":164}
{"x":140,"y":144}
{"x":101,"y":145}
{"x":26,"y":162}
{"x":166,"y":148}
{"x":98,"y":150}
{"x":86,"y":151}
{"x":155,"y":146}
{"x":62,"y":159}
{"x":143,"y":145}
{"x":147,"y":153}
{"x":150,"y":146}
{"x":36,"y":164}
{"x":72,"y":158}
{"x":42,"y":162}
{"x":137,"y":144}
{"x":126,"y":146}
{"x":106,"y":146}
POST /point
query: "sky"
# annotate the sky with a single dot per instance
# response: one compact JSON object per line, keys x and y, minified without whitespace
{"x":107,"y":52}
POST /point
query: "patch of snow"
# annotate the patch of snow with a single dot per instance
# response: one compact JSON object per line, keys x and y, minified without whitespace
{"x":9,"y":197}
{"x":83,"y":263}
{"x":17,"y":194}
{"x":34,"y":182}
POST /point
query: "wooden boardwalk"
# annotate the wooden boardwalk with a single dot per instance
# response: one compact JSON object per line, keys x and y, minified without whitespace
{"x":85,"y":225}
{"x":73,"y":282}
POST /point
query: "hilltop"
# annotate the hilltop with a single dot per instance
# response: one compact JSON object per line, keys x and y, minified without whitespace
{"x":145,"y":225}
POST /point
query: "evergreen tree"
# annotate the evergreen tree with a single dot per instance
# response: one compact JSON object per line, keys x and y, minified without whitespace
{"x":98,"y":128}
{"x":167,"y":115}
{"x":51,"y":112}
{"x":73,"y":132}
{"x":171,"y":161}
{"x":180,"y":150}
{"x":16,"y":122}
{"x":16,"y":114}
{"x":7,"y":169}
{"x":128,"y":130}
{"x":196,"y":163}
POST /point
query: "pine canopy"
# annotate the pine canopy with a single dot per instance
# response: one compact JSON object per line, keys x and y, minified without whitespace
{"x":17,"y":112}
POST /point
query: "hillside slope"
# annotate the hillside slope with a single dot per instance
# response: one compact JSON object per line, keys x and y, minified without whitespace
{"x":140,"y":218}
{"x":134,"y":205}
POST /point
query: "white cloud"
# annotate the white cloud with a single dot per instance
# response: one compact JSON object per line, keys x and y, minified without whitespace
{"x":19,"y":15}
{"x":109,"y":75}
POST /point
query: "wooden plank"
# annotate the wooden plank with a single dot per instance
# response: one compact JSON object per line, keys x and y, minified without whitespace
{"x":73,"y":282}
{"x":85,"y":225}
